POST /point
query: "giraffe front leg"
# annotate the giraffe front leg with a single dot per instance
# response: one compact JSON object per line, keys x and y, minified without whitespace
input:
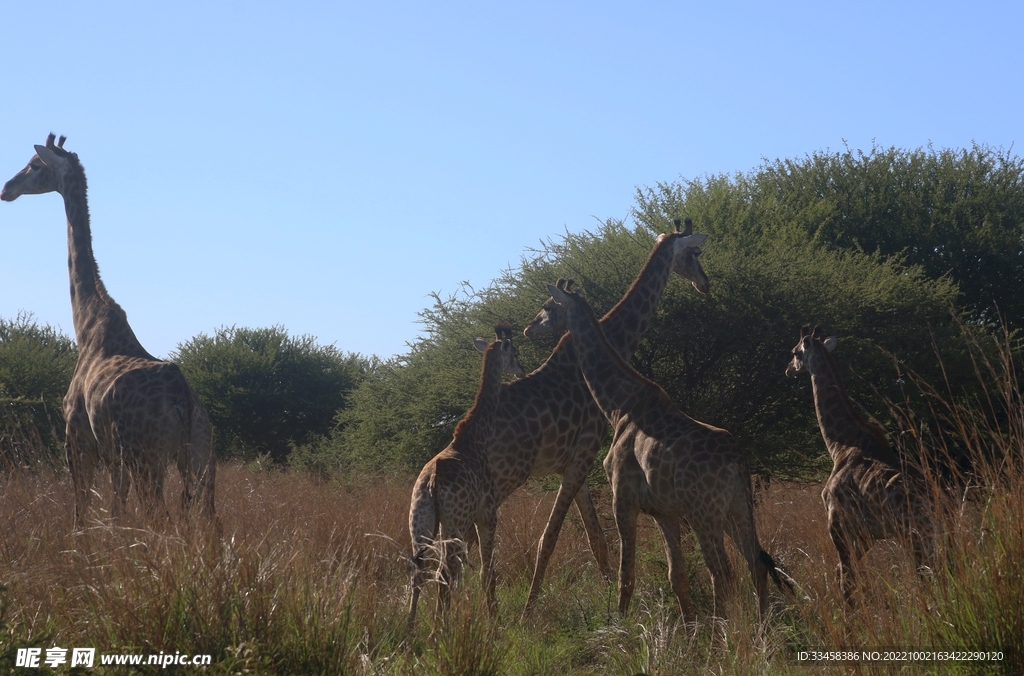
{"x":571,"y":482}
{"x":626,"y":511}
{"x":677,"y":575}
{"x":595,"y":533}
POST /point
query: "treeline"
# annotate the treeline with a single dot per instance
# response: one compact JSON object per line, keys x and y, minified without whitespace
{"x":881,"y":247}
{"x":266,"y":391}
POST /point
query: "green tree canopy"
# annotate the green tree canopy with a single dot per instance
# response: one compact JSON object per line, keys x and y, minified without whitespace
{"x":878,"y":247}
{"x":952,"y":212}
{"x":36,"y":366}
{"x":267,"y":391}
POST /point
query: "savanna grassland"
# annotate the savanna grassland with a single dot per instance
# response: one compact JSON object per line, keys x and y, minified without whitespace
{"x":310,"y":577}
{"x":914,"y":259}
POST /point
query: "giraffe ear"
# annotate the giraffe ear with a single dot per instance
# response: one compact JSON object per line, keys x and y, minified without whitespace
{"x":558,"y":295}
{"x":830,"y":343}
{"x":480,"y":344}
{"x":48,"y":157}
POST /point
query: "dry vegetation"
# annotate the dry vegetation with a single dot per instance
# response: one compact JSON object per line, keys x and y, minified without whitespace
{"x":310,"y":577}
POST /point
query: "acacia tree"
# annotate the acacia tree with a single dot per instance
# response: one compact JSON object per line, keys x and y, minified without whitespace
{"x":877,"y":246}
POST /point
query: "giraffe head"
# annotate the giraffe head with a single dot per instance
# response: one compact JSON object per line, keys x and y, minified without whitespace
{"x":44,"y":173}
{"x":551,"y":318}
{"x":810,"y":351}
{"x":566,"y":300}
{"x":685,"y":262}
{"x":509,"y":352}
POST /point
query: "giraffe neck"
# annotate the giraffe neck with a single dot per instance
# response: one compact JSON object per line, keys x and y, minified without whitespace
{"x":625,"y":324}
{"x":100,"y":323}
{"x":612,"y":383}
{"x":842,"y":427}
{"x":474,"y":430}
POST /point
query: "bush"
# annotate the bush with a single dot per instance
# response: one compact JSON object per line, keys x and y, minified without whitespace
{"x":36,"y":366}
{"x":265,"y":390}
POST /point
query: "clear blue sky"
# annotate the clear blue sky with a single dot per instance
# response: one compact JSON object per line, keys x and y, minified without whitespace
{"x":325,"y":166}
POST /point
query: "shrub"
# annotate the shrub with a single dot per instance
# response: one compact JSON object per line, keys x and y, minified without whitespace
{"x":36,"y":366}
{"x":267,"y":391}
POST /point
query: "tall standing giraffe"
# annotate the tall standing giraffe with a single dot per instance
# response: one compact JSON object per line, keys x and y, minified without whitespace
{"x":668,"y":465}
{"x":455,"y":490}
{"x":548,"y":423}
{"x":124,"y":408}
{"x":871,"y":494}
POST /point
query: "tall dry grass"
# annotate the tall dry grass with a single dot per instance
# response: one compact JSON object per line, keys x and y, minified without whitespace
{"x":311,"y":577}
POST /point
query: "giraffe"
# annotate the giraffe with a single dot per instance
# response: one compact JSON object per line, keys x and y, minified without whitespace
{"x":667,"y":465}
{"x":548,"y":423}
{"x":124,"y":408}
{"x":455,"y":490}
{"x":871,"y":494}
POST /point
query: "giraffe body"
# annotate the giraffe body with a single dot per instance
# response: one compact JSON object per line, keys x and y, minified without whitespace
{"x":124,"y":409}
{"x":871,"y":494}
{"x":548,"y":423}
{"x":668,"y":465}
{"x":454,"y":501}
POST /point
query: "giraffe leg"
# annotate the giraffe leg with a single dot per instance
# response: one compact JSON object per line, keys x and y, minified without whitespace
{"x":485,"y":532}
{"x":150,"y":488}
{"x":197,"y":464}
{"x":743,"y":531}
{"x":572,"y":480}
{"x":677,"y":576}
{"x":712,"y":546}
{"x":82,"y":464}
{"x":849,"y":548}
{"x":451,"y":549}
{"x":121,"y":479}
{"x":418,"y":567}
{"x":626,"y":510}
{"x":595,"y":534}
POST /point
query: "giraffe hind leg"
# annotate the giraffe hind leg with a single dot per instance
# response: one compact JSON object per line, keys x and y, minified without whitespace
{"x":677,"y":575}
{"x":712,"y":546}
{"x":82,"y":464}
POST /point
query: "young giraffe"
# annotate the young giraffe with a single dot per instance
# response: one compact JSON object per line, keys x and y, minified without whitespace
{"x":455,"y":490}
{"x":871,"y":494}
{"x":668,"y":465}
{"x":124,"y":408}
{"x":548,"y":423}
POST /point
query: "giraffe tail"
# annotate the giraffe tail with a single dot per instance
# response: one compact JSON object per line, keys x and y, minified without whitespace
{"x":780,"y":577}
{"x":422,"y":520}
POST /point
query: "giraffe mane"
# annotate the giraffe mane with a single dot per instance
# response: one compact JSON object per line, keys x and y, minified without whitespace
{"x":639,"y":279}
{"x":620,"y":363}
